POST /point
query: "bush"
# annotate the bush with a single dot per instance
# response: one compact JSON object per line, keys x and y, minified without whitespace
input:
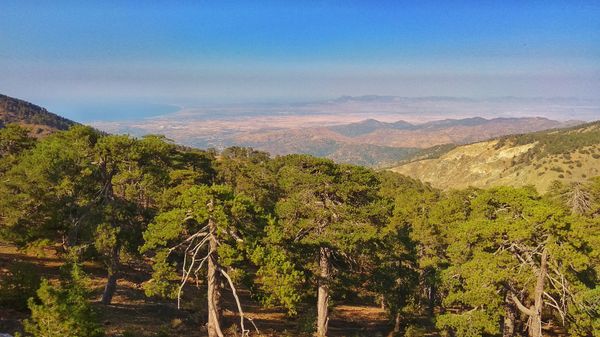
{"x":307,"y":321}
{"x":414,"y":331}
{"x":63,"y":310}
{"x":18,"y":286}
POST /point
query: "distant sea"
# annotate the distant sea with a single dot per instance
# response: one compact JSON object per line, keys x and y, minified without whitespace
{"x":86,"y":112}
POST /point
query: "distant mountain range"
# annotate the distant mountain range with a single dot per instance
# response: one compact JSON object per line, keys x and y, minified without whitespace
{"x":538,"y":158}
{"x":379,"y":144}
{"x":38,"y":119}
{"x":369,"y":142}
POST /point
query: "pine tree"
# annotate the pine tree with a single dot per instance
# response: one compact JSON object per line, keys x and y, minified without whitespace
{"x":516,"y":254}
{"x":63,"y":310}
{"x":327,"y":216}
{"x":205,"y":226}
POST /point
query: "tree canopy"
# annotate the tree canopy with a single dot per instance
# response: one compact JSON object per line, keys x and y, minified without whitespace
{"x":300,"y":233}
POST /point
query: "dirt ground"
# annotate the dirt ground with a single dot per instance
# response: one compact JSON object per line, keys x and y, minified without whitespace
{"x":134,"y":314}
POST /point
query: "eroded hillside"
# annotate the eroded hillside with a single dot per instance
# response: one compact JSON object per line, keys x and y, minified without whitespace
{"x":531,"y":159}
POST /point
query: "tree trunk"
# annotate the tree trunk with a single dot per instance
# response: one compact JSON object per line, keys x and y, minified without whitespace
{"x":428,"y":290}
{"x":535,"y":320}
{"x":109,"y":288}
{"x":431,"y":293}
{"x":534,"y":312}
{"x":214,"y":288}
{"x":510,"y":317}
{"x":113,"y":264}
{"x":323,"y":295}
{"x":397,"y":322}
{"x":112,"y":277}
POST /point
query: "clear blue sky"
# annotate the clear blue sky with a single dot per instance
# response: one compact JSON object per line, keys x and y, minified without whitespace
{"x":184,"y":52}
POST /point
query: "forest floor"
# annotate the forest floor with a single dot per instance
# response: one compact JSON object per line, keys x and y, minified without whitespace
{"x":134,"y":314}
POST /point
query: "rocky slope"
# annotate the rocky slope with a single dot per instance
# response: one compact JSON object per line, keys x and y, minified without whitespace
{"x":538,"y":159}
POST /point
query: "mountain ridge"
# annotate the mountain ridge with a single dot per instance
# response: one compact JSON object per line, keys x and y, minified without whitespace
{"x":34,"y":117}
{"x":368,"y":142}
{"x":537,"y":158}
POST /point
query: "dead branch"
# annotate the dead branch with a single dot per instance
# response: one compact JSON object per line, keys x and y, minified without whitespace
{"x":191,"y":238}
{"x":521,"y":307}
{"x":186,"y":274}
{"x":239,"y":305}
{"x":556,"y":306}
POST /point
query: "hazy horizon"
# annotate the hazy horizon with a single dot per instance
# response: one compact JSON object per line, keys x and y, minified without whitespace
{"x":136,"y":59}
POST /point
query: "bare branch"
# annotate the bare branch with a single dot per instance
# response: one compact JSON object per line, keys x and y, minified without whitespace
{"x":187,"y":271}
{"x":520,"y":305}
{"x":302,"y":233}
{"x":555,"y":305}
{"x":235,"y":236}
{"x":191,"y":238}
{"x":239,"y":305}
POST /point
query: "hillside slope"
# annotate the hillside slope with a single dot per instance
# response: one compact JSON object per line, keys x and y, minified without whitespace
{"x":379,"y":144}
{"x":38,"y":119}
{"x":537,"y":158}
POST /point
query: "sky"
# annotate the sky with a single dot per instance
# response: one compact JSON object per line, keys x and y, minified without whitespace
{"x":81,"y":55}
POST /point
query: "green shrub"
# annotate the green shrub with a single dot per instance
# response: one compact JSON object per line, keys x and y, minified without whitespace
{"x":20,"y":283}
{"x":307,"y":321}
{"x":414,"y":331}
{"x":63,"y":310}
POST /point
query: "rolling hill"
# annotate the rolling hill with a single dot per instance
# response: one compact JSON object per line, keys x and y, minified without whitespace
{"x":379,"y":144}
{"x":39,"y":120}
{"x":369,"y":142}
{"x":538,"y":158}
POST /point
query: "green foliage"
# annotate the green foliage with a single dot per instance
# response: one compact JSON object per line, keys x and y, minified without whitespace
{"x":20,"y":283}
{"x":488,"y":254}
{"x":63,"y":310}
{"x":386,"y":237}
{"x":47,"y":189}
{"x":249,"y":173}
{"x":414,"y":331}
{"x":307,"y":321}
{"x":278,"y":279}
{"x":13,"y":141}
{"x":164,"y":277}
{"x":238,"y":227}
{"x":106,"y":237}
{"x":394,"y":274}
{"x":469,"y":324}
{"x":90,"y":192}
